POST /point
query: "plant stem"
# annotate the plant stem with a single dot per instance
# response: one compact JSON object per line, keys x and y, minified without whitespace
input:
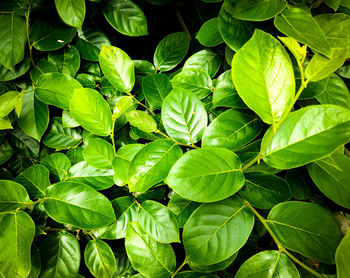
{"x":29,"y":204}
{"x":112,"y":137}
{"x":183,"y":24}
{"x":27,"y":13}
{"x":140,"y":103}
{"x":179,"y":268}
{"x":171,"y":139}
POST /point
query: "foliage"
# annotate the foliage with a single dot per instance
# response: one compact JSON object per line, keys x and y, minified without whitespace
{"x":174,"y":138}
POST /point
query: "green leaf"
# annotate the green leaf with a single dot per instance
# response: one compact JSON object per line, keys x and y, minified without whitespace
{"x":67,"y":60}
{"x":268,"y":264}
{"x":234,"y":32}
{"x":59,"y":138}
{"x":192,"y":274}
{"x":72,"y":12}
{"x":149,"y":257}
{"x":300,"y":25}
{"x":156,"y":87}
{"x":60,"y":255}
{"x":12,"y":196}
{"x":79,"y":205}
{"x":158,"y":222}
{"x":99,"y":154}
{"x":91,"y":111}
{"x":304,"y":136}
{"x":35,"y":179}
{"x":262,"y":70}
{"x":58,"y":164}
{"x":99,"y":258}
{"x":152,"y":164}
{"x":334,"y":4}
{"x":56,"y":89}
{"x":48,"y":33}
{"x":320,"y":66}
{"x":306,"y":228}
{"x":35,"y":262}
{"x":299,"y":183}
{"x":126,"y":17}
{"x":118,"y":68}
{"x":90,"y":41}
{"x":213,"y":267}
{"x":342,"y":256}
{"x":195,"y":80}
{"x":17,"y":234}
{"x":8,"y":102}
{"x":334,"y":182}
{"x":13,"y":37}
{"x":122,"y":105}
{"x":67,"y":120}
{"x":42,"y":67}
{"x":170,"y":51}
{"x":141,"y":120}
{"x":206,"y":175}
{"x":231,"y":129}
{"x":209,"y":35}
{"x":182,"y":208}
{"x":184,"y":116}
{"x":98,"y":179}
{"x":23,"y":144}
{"x":264,"y":190}
{"x":216,"y":231}
{"x":6,"y":152}
{"x":20,"y":69}
{"x":299,"y":52}
{"x":34,"y":117}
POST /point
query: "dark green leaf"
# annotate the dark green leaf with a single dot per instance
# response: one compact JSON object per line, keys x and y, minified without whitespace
{"x":42,"y":67}
{"x":58,"y":165}
{"x":67,"y":60}
{"x":342,"y":256}
{"x":23,"y":144}
{"x":12,"y":196}
{"x":20,"y":69}
{"x":156,"y":87}
{"x":182,"y":208}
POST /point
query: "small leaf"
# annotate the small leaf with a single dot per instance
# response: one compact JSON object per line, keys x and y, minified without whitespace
{"x":67,"y":60}
{"x":42,"y":67}
{"x":12,"y":196}
{"x":141,"y":120}
{"x":156,"y":87}
{"x":8,"y":102}
{"x":58,"y":165}
{"x":209,"y":35}
{"x":298,"y":51}
{"x":99,"y":153}
{"x":72,"y":12}
{"x":122,"y":105}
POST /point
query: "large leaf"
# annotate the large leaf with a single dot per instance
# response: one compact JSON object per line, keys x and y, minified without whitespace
{"x":118,"y":68}
{"x":170,"y":51}
{"x":308,"y":134}
{"x":12,"y":195}
{"x":16,"y":236}
{"x":67,"y":60}
{"x":150,"y":258}
{"x":79,"y":205}
{"x":306,"y":228}
{"x":56,"y":89}
{"x":231,"y":130}
{"x":99,"y":153}
{"x":268,"y":264}
{"x":126,"y":17}
{"x":184,"y":116}
{"x":60,"y":255}
{"x":58,"y":164}
{"x":300,"y":25}
{"x":342,"y":257}
{"x":13,"y":37}
{"x":215,"y":231}
{"x":332,"y":177}
{"x":156,"y":87}
{"x":263,"y":76}
{"x":158,"y":222}
{"x":72,"y":12}
{"x":99,"y":258}
{"x":206,"y":175}
{"x":91,"y":111}
{"x":152,"y":164}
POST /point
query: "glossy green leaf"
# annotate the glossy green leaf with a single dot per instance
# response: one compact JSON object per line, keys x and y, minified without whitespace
{"x":35,"y":179}
{"x":12,"y":196}
{"x":306,"y":228}
{"x":264,"y":190}
{"x":213,"y":267}
{"x":299,"y":183}
{"x":300,"y":25}
{"x":152,"y":164}
{"x":215,"y":231}
{"x":118,"y":68}
{"x":16,"y":237}
{"x":149,"y":257}
{"x":98,"y":179}
{"x":231,"y":129}
{"x":182,"y":208}
{"x":42,"y":67}
{"x":72,"y":12}
{"x":91,"y":111}
{"x":56,"y":89}
{"x":58,"y":164}
{"x":67,"y":120}
{"x":299,"y":52}
{"x":141,"y":120}
{"x":170,"y":51}
{"x":156,"y":87}
{"x":268,"y":264}
{"x":126,"y":17}
{"x":342,"y":256}
{"x":67,"y":60}
{"x":13,"y":37}
{"x":90,"y":41}
{"x":99,"y":258}
{"x":122,"y":105}
{"x":184,"y":116}
{"x":23,"y":144}
{"x":60,"y":255}
{"x":79,"y":205}
{"x":20,"y":69}
{"x":304,"y":136}
{"x":195,"y":80}
{"x":209,"y":35}
{"x":193,"y":274}
{"x":8,"y":102}
{"x":99,"y":153}
{"x":263,"y":76}
{"x":158,"y":222}
{"x":206,"y":175}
